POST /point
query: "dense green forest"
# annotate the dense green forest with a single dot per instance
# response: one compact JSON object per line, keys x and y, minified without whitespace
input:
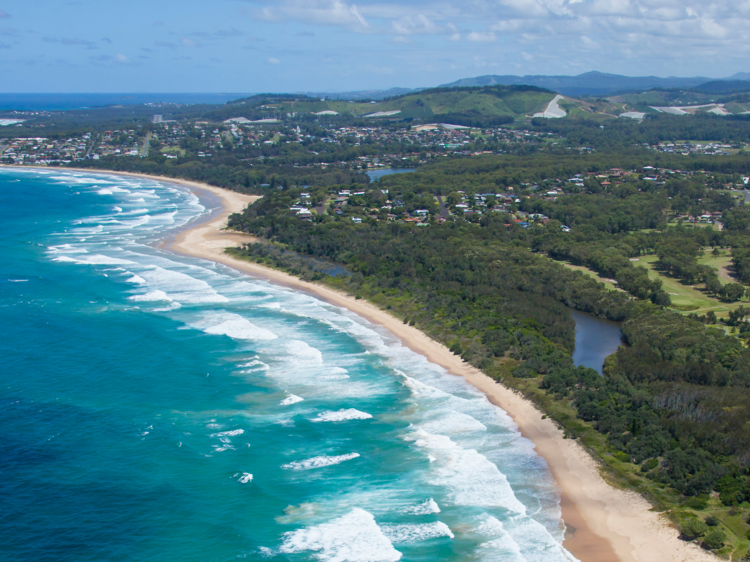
{"x":672,"y":404}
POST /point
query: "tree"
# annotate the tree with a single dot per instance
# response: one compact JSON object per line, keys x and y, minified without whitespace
{"x":453,"y":198}
{"x":661,"y":298}
{"x":713,"y":285}
{"x":714,"y":539}
{"x":732,"y":292}
{"x":738,"y":315}
{"x":693,"y":529}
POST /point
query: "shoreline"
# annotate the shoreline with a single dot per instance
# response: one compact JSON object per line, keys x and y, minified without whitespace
{"x":604,"y":524}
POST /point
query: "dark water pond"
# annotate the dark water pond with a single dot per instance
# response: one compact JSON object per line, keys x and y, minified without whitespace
{"x":377,"y":174}
{"x":595,"y":340}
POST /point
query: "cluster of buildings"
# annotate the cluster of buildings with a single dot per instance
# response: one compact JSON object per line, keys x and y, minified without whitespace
{"x":685,"y":148}
{"x":44,"y":151}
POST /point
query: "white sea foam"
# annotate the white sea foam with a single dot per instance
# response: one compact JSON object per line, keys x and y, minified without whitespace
{"x":469,"y":477}
{"x":319,"y":462}
{"x":257,"y":364}
{"x":301,"y":351}
{"x":234,"y":326}
{"x":66,"y":249}
{"x":426,"y":508}
{"x":153,"y":296}
{"x":415,"y":533}
{"x":96,"y":259}
{"x":450,"y":422}
{"x":342,"y":415}
{"x":245,"y":478}
{"x":232,"y":433}
{"x":136,"y":279}
{"x":334,"y":374}
{"x":501,"y":545}
{"x":181,"y":287}
{"x":354,"y":537}
{"x":17,"y":280}
{"x":291,"y":399}
{"x":105,"y":192}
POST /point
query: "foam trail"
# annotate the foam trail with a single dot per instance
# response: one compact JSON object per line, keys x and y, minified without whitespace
{"x":235,"y":327}
{"x":426,"y":508}
{"x":342,"y":415}
{"x":319,"y":462}
{"x":469,"y":477}
{"x":415,"y":533}
{"x":291,"y":399}
{"x":354,"y":537}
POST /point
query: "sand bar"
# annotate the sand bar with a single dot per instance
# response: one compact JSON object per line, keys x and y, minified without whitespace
{"x":605,"y":524}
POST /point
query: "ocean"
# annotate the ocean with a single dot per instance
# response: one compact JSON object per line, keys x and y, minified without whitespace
{"x":66,"y":102}
{"x":157,"y":407}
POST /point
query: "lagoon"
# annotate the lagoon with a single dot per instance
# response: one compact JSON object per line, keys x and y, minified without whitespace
{"x":596,"y":339}
{"x":377,"y":174}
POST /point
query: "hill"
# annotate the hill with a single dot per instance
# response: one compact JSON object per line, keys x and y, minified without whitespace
{"x":587,"y":84}
{"x":461,"y":106}
{"x":724,"y":86}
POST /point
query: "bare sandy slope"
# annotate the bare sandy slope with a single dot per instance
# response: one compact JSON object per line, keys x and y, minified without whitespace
{"x":604,"y":523}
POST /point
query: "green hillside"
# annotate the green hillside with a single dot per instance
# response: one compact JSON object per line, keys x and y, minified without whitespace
{"x":426,"y":105}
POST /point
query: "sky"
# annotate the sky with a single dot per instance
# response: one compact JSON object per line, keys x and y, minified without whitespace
{"x":52,"y":46}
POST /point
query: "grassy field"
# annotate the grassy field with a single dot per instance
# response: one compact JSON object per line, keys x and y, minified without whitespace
{"x":173,"y":150}
{"x":586,"y":271}
{"x":685,"y":298}
{"x":720,"y":263}
{"x":692,"y":298}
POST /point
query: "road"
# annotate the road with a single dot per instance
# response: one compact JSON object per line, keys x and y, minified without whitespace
{"x":444,"y":213}
{"x":144,"y":150}
{"x":91,"y":146}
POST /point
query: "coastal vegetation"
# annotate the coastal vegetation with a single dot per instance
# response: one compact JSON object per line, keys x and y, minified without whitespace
{"x":669,"y":417}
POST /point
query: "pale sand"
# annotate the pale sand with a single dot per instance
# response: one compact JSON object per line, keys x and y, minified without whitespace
{"x":604,"y":523}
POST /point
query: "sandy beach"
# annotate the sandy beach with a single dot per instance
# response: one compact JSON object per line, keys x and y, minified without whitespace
{"x":604,"y":523}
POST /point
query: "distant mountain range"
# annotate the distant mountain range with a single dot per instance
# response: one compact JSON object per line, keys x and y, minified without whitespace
{"x":587,"y":84}
{"x":362,"y":94}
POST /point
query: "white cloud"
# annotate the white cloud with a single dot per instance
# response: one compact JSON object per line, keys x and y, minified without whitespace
{"x":122,"y":58}
{"x":481,"y":37}
{"x":319,"y":12}
{"x":420,"y":23}
{"x":605,"y":30}
{"x":272,"y":60}
{"x":589,"y":42}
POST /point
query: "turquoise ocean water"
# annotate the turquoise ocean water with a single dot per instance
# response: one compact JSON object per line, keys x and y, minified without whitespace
{"x":160,"y":408}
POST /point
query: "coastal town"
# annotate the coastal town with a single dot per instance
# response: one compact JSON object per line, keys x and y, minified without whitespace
{"x":371,"y":147}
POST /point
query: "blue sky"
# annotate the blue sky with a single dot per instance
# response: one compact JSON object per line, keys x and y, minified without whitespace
{"x":338,"y":45}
